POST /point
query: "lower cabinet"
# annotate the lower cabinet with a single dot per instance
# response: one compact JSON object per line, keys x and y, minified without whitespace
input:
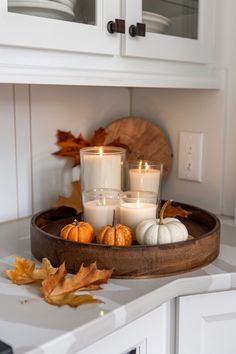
{"x":206,"y":323}
{"x":150,"y":334}
{"x":192,"y":324}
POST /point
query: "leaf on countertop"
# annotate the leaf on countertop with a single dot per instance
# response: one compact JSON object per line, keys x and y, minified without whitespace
{"x":73,"y":201}
{"x":70,"y":145}
{"x":56,"y":288}
{"x":173,"y":211}
{"x":86,"y":277}
{"x":71,"y":299}
{"x":25,"y":272}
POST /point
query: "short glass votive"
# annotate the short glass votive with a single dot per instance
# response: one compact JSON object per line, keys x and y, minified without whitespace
{"x":143,"y":175}
{"x":136,"y":206}
{"x":99,"y":206}
{"x":102,"y":167}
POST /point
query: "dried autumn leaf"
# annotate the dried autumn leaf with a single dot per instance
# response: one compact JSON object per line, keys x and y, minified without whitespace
{"x":99,"y":137}
{"x":52,"y":281}
{"x":71,"y":299}
{"x":56,"y":289}
{"x":173,"y":211}
{"x":25,"y":272}
{"x":85,"y":278}
{"x":73,"y":201}
{"x":70,"y":145}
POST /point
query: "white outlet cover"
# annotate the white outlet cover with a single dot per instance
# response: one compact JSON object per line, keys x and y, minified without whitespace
{"x":190,"y":156}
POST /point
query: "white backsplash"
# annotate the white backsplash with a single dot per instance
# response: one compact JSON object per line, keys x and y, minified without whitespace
{"x":31,"y":177}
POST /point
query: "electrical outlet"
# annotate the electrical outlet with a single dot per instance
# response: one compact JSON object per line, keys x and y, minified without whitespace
{"x":190,"y":156}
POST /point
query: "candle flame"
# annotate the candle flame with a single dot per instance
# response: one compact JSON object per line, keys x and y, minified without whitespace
{"x":100,"y":151}
{"x":138,"y":201}
{"x":140,"y":166}
{"x":146,"y":166}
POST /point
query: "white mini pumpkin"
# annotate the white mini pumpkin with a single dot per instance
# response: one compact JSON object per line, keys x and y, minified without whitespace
{"x":162,"y":230}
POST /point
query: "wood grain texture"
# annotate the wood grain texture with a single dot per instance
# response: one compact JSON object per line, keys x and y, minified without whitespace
{"x":135,"y":261}
{"x":145,"y":139}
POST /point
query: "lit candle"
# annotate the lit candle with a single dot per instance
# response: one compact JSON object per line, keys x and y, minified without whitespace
{"x":133,"y":213}
{"x":144,"y":179}
{"x":99,"y":205}
{"x":101,"y":168}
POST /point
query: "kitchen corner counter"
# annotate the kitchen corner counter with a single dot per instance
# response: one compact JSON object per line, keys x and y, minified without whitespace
{"x":33,"y":326}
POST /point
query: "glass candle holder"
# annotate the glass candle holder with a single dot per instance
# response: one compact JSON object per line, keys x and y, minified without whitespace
{"x":99,"y":206}
{"x":143,"y":175}
{"x":102,"y":167}
{"x":136,"y":206}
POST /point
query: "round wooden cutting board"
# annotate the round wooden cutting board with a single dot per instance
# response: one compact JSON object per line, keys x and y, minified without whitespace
{"x":145,"y":140}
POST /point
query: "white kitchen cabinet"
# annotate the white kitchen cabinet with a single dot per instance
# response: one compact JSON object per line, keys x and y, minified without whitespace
{"x":150,"y":334}
{"x":18,"y":29}
{"x":206,"y":323}
{"x":189,"y":36}
{"x":41,"y":45}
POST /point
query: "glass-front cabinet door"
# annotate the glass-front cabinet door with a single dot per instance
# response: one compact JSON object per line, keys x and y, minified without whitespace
{"x":68,"y":25}
{"x":169,"y":29}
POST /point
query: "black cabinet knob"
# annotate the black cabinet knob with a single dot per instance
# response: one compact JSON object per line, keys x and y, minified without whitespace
{"x":117,"y":26}
{"x":138,"y":30}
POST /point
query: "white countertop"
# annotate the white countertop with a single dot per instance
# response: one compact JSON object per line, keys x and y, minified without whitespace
{"x":37,"y":327}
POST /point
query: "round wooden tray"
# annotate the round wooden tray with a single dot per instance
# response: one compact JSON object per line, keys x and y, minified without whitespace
{"x":135,"y":261}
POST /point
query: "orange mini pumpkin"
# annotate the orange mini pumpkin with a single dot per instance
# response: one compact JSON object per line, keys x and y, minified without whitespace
{"x":79,"y":231}
{"x":119,"y":235}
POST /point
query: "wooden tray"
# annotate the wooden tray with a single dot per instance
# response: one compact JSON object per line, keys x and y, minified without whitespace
{"x":135,"y":261}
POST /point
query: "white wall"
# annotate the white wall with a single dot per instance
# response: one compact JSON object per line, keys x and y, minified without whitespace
{"x":79,"y":109}
{"x":189,"y":110}
{"x":226,"y":59}
{"x":30,"y":176}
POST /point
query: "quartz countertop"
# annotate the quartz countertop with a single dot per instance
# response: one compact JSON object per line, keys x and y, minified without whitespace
{"x":33,"y":326}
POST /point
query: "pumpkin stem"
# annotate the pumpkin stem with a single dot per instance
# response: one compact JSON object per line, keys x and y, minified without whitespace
{"x":163,"y":210}
{"x":76,"y":222}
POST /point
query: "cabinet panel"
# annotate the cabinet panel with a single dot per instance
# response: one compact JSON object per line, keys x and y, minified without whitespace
{"x":147,"y":335}
{"x":52,"y":51}
{"x":19,"y":29}
{"x":207,"y":323}
{"x":196,"y":47}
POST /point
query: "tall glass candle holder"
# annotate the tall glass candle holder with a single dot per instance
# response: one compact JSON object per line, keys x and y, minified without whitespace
{"x":136,"y":206}
{"x":102,"y":167}
{"x":144,"y":175}
{"x":99,"y":206}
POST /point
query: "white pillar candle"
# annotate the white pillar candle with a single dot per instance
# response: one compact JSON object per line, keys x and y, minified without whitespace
{"x":100,"y":214}
{"x":133,"y":213}
{"x":144,"y":179}
{"x":102,"y":170}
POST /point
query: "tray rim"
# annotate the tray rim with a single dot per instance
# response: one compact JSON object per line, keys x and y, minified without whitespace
{"x":136,"y":246}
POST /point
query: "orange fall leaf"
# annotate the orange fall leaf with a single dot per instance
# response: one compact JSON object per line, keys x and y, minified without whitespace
{"x":25,"y":272}
{"x":85,"y":278}
{"x":173,"y":211}
{"x":56,"y":288}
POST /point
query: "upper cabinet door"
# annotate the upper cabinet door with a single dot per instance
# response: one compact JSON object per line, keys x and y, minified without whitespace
{"x":68,"y":25}
{"x":179,"y":30}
